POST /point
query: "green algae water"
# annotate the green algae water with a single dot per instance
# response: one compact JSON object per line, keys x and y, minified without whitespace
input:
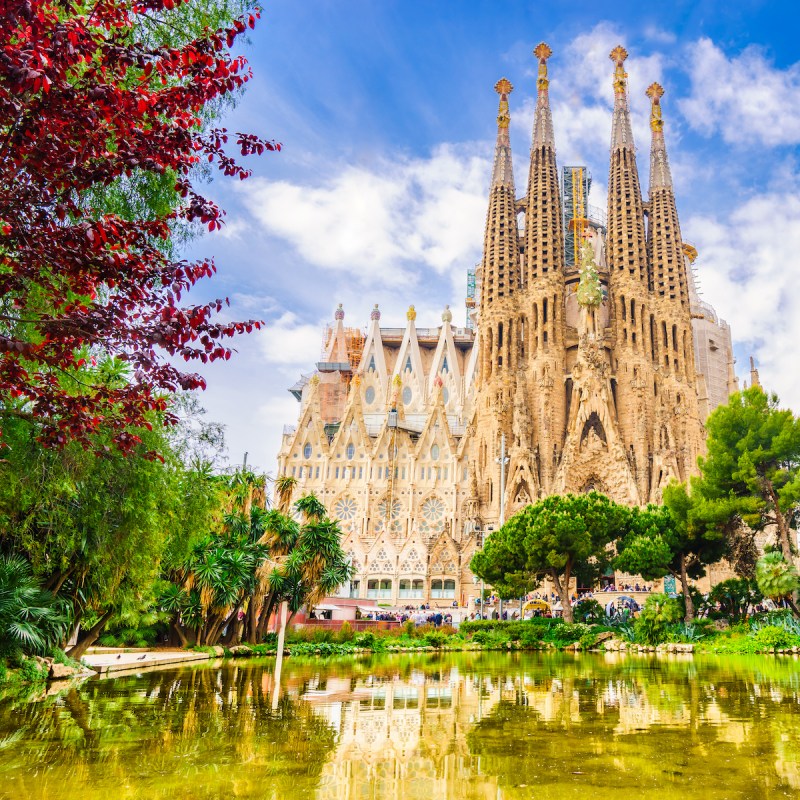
{"x":477,"y":726}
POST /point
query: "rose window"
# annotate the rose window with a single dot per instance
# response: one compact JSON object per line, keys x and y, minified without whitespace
{"x":389,"y":517}
{"x":345,"y":510}
{"x":433,"y":510}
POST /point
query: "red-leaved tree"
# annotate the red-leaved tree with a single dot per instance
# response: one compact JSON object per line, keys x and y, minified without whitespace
{"x":85,"y":104}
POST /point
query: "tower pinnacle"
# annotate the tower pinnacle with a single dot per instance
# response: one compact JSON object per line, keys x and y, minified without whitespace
{"x":668,"y":275}
{"x":542,"y":51}
{"x":621,"y":132}
{"x":503,"y":173}
{"x":543,"y":120}
{"x":660,"y":176}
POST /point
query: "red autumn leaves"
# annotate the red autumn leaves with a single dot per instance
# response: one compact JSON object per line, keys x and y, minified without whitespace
{"x":87,"y":108}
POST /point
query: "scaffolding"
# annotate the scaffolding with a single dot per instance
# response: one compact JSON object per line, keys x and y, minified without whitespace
{"x":575,"y":185}
{"x":470,"y":302}
{"x":353,"y":341}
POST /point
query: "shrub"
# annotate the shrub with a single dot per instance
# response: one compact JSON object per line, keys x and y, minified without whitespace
{"x":365,"y":639}
{"x":435,"y":638}
{"x":772,"y":637}
{"x":658,"y":613}
{"x":683,"y":632}
{"x":588,"y":610}
{"x":32,"y":620}
{"x":345,"y":633}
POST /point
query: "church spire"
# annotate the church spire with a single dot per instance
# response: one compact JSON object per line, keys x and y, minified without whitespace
{"x":626,"y":249}
{"x":621,"y":132}
{"x":660,"y":176}
{"x":503,"y":173}
{"x":543,"y":120}
{"x":665,"y":248}
{"x":544,"y":236}
{"x":500,"y":265}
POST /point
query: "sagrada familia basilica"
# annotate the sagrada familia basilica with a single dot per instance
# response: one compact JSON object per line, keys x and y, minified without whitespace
{"x":588,"y":362}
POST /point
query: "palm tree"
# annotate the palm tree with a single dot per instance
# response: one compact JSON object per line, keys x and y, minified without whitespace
{"x":284,"y":488}
{"x":32,"y":620}
{"x":777,"y":578}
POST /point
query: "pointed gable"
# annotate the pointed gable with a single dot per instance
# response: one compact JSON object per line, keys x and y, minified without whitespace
{"x":408,"y":367}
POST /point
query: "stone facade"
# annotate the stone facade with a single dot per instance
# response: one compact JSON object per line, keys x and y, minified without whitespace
{"x":595,"y":374}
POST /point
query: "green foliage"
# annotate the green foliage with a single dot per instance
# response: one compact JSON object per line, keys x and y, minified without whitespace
{"x":588,"y":610}
{"x":781,"y":619}
{"x":734,"y":596}
{"x":773,"y":637}
{"x":512,"y":629}
{"x":366,"y":640}
{"x":752,"y":466}
{"x":30,"y":671}
{"x":776,"y":577}
{"x":345,"y":633}
{"x":435,"y":638}
{"x":32,"y":620}
{"x":651,"y":626}
{"x":685,"y":632}
{"x":98,"y":529}
{"x":555,"y":537}
{"x":673,"y":539}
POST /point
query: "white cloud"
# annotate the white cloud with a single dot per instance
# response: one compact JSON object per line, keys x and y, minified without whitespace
{"x":383,"y":223}
{"x":744,"y":98}
{"x":288,"y":340}
{"x":748,"y":271}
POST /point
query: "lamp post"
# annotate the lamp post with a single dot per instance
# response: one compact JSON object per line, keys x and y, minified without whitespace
{"x":502,"y":461}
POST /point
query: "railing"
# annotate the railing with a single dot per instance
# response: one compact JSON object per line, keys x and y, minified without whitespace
{"x":379,"y":594}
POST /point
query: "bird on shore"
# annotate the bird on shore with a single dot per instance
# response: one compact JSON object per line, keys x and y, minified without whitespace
{"x":142,"y":658}
{"x":119,"y":656}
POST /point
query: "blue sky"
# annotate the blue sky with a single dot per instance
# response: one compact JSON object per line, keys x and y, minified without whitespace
{"x":386,"y":114}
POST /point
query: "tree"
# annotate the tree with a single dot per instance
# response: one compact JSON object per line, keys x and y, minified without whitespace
{"x":752,"y":469}
{"x":552,"y":538}
{"x":96,"y":528}
{"x":777,"y":578}
{"x":670,"y":540}
{"x":89,"y":100}
{"x":258,"y":560}
{"x":735,"y":596}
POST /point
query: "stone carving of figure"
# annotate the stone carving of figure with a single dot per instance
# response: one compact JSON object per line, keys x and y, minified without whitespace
{"x":598,"y":247}
{"x":590,"y":296}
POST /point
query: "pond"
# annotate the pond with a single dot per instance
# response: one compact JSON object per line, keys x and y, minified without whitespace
{"x":471,"y":726}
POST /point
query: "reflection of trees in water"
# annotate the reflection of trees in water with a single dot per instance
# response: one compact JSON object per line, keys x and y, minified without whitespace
{"x":455,"y":725}
{"x":645,"y":723}
{"x":182,"y":734}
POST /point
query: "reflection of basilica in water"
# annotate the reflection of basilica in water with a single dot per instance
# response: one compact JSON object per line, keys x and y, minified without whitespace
{"x":460,"y":733}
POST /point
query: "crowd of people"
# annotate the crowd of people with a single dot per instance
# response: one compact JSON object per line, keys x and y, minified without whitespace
{"x":422,"y":615}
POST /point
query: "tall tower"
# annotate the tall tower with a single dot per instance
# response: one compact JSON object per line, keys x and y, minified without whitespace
{"x":628,"y":279}
{"x":542,"y":342}
{"x":677,"y":434}
{"x":498,"y":324}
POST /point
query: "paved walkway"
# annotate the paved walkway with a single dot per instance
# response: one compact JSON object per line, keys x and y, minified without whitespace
{"x":138,"y":660}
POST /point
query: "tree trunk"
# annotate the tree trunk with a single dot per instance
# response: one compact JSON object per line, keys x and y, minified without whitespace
{"x":263,"y":619}
{"x":687,"y":596}
{"x":57,"y":580}
{"x":783,"y":525}
{"x":563,"y":592}
{"x":90,"y":636}
{"x":181,"y":635}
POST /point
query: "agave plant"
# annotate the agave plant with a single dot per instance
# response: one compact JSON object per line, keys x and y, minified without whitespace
{"x":32,"y":620}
